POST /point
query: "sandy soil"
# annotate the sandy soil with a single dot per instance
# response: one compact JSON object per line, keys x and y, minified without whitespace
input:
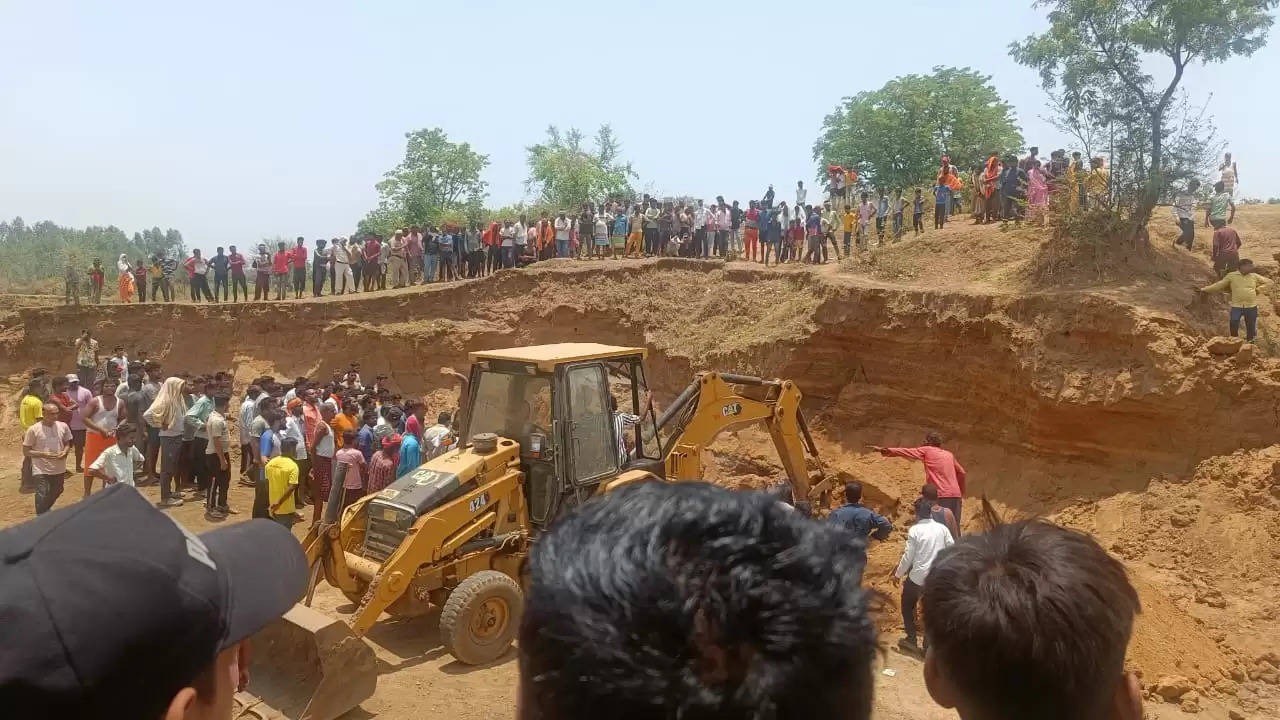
{"x":1095,"y":401}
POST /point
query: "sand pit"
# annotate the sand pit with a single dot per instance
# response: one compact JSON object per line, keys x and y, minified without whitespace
{"x":1100,"y":407}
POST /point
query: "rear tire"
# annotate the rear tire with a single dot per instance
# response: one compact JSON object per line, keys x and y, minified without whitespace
{"x":481,"y":616}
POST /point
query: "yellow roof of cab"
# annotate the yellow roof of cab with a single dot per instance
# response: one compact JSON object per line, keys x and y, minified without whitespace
{"x":546,"y":357}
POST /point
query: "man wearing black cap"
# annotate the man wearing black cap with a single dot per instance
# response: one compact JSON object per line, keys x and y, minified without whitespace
{"x":151,"y":623}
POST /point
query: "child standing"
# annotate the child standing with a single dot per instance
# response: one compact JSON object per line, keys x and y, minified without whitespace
{"x":866,"y":211}
{"x":899,"y":206}
{"x":848,"y":222}
{"x":917,"y":212}
{"x":797,"y":240}
{"x":941,"y":198}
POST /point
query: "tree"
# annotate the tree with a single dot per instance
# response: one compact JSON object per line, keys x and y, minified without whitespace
{"x":1096,"y":54}
{"x":898,"y":134}
{"x":437,"y":177}
{"x":31,"y":254}
{"x":563,"y":173}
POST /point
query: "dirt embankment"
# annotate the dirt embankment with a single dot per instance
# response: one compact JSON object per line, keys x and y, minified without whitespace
{"x":1102,"y":414}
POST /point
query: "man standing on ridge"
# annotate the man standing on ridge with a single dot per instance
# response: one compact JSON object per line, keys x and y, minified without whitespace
{"x":941,"y":469}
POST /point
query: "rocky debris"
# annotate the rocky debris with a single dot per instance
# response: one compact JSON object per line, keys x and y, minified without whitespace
{"x":1224,"y":345}
{"x":1190,"y":702}
{"x":1210,"y":596}
{"x":1172,"y":687}
{"x":1184,"y":514}
{"x":1245,"y":355}
{"x":1234,"y":714}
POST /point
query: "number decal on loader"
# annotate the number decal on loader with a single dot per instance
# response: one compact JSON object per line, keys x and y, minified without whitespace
{"x":478,"y":502}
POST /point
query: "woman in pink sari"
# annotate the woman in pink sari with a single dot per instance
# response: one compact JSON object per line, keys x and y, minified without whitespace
{"x":1037,"y":194}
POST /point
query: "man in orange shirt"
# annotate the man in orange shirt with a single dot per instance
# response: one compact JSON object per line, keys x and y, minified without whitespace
{"x":299,"y":260}
{"x":344,"y":421}
{"x":280,"y":270}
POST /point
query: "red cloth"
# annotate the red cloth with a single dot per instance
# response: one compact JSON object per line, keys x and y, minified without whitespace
{"x":372,"y":248}
{"x":940,"y":468}
{"x":280,"y":263}
{"x":1226,"y":243}
{"x":299,"y":257}
{"x":190,"y":265}
{"x":236,"y":261}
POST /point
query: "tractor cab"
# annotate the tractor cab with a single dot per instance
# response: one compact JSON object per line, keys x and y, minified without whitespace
{"x":573,"y":409}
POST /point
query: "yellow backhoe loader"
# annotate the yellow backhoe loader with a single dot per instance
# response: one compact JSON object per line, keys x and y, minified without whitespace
{"x":547,"y":427}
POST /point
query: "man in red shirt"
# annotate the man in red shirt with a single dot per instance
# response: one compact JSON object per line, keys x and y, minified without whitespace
{"x":493,"y":247}
{"x":299,"y":268}
{"x":372,"y":268}
{"x":236,"y":262}
{"x":940,"y":470}
{"x":1226,"y":250}
{"x":280,"y":270}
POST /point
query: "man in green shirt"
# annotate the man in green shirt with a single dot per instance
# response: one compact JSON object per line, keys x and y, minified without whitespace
{"x":1244,"y":285}
{"x":1221,"y":210}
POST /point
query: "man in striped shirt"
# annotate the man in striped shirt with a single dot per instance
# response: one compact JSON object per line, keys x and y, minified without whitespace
{"x":622,"y":424}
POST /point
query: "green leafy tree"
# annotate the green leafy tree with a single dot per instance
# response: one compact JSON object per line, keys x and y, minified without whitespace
{"x":1104,"y":53}
{"x":34,"y":255}
{"x":565,"y":173}
{"x":436,"y":179}
{"x":897,"y":134}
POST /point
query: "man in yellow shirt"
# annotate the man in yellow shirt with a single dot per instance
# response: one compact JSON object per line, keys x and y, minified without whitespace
{"x":1244,"y":285}
{"x":29,"y":413}
{"x":282,"y":483}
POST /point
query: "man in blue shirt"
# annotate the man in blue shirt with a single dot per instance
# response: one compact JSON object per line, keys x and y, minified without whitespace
{"x":859,"y":519}
{"x":410,"y":455}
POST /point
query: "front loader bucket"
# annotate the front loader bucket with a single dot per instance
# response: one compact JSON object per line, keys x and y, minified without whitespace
{"x":307,"y":666}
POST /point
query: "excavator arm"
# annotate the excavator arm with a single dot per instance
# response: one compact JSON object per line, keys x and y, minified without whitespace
{"x":712,"y":405}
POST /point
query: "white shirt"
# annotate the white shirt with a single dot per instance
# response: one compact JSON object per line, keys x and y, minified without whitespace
{"x":925,"y":540}
{"x":508,"y":235}
{"x":294,"y":428}
{"x":340,"y":254}
{"x":801,"y":194}
{"x":700,"y":217}
{"x":248,"y":411}
{"x":563,"y":226}
{"x":520,"y":234}
{"x":118,"y":464}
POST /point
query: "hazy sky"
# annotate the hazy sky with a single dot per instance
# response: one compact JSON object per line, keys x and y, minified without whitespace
{"x":234,"y":121}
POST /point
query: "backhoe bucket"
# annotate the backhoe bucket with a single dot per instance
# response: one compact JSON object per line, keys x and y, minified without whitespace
{"x":306,"y":666}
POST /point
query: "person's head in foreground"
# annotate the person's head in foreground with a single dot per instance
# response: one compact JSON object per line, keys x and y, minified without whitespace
{"x":113,"y":610}
{"x":1030,"y":620}
{"x":685,"y":600}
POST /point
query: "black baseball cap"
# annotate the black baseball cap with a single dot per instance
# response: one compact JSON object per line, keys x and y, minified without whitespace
{"x":110,"y":607}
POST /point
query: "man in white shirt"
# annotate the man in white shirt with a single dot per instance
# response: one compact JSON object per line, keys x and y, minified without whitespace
{"x":801,"y":193}
{"x":438,"y":438}
{"x":700,"y":231}
{"x":248,"y":411}
{"x":925,"y":540}
{"x":118,"y":463}
{"x":563,"y":225}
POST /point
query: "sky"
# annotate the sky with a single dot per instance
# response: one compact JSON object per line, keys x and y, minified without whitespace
{"x":237,"y":121}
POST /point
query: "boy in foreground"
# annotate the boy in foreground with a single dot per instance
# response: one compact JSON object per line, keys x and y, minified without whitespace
{"x":686,"y":600}
{"x":1030,"y":620}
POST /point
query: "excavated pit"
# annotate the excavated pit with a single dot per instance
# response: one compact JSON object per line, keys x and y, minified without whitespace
{"x":1076,"y":406}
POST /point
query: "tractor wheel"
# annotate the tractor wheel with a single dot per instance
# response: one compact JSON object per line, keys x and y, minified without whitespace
{"x":480,"y":618}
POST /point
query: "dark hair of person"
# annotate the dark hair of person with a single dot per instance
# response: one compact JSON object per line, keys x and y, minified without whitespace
{"x":1030,"y":620}
{"x":929,"y":492}
{"x":665,"y":600}
{"x":853,"y":492}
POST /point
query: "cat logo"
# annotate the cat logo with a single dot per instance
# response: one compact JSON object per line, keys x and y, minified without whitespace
{"x":731,"y":409}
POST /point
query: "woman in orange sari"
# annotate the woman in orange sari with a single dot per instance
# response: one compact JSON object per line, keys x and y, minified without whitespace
{"x":126,"y":278}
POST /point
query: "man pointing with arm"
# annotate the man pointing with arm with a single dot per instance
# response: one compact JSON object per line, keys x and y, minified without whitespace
{"x":941,"y":469}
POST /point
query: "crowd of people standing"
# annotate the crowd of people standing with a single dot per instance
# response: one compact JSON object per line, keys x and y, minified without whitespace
{"x":124,"y":422}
